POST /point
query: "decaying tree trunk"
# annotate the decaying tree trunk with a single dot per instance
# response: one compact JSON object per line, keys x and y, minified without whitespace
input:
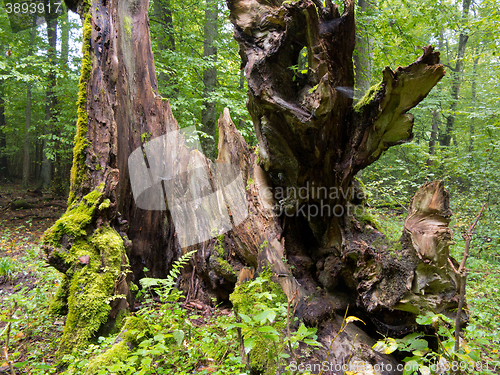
{"x":119,"y":109}
{"x":305,"y":209}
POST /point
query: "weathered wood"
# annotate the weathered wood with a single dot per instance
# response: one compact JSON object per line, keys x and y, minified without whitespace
{"x":311,"y":136}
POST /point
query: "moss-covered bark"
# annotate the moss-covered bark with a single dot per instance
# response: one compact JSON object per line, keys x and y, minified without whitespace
{"x":94,"y":262}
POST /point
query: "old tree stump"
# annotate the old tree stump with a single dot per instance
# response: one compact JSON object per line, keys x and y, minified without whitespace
{"x":305,"y":207}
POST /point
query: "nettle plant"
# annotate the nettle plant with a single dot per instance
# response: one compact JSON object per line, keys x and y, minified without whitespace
{"x":426,"y":361}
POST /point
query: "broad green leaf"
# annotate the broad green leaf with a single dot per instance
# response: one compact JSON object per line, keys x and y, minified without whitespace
{"x":386,"y":346}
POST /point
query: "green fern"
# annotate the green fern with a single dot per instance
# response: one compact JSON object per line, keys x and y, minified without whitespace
{"x":164,"y":287}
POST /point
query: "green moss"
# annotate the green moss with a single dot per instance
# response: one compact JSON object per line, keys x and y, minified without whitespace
{"x":74,"y":222}
{"x":79,"y":169}
{"x":312,"y":89}
{"x":252,"y":298}
{"x":249,"y":183}
{"x":105,"y":204}
{"x":247,"y":298}
{"x":366,"y":217}
{"x":133,"y":287}
{"x":88,"y":306}
{"x":91,"y":286}
{"x":263,"y":245}
{"x":218,"y":260}
{"x":223,"y":268}
{"x":59,"y":303}
{"x":133,"y":328}
{"x":120,"y":320}
{"x":118,"y":353}
{"x":145,"y":137}
{"x":110,"y":246}
{"x":368,"y":97}
{"x":127,"y":25}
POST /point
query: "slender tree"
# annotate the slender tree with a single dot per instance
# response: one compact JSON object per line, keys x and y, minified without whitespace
{"x":362,"y":54}
{"x":4,"y":163}
{"x":27,"y":126}
{"x":51,"y":97}
{"x":209,"y":112}
{"x":166,"y":36}
{"x":447,"y":135}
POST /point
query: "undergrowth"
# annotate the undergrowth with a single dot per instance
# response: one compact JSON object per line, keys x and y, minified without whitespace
{"x":165,"y":337}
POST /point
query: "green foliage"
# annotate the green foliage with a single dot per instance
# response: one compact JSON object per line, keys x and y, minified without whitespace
{"x":8,"y":270}
{"x":162,"y":339}
{"x":165,"y":287}
{"x":261,"y":309}
{"x":181,"y":67}
{"x":51,"y":138}
{"x":424,"y":360}
{"x":34,"y":331}
{"x":480,"y":337}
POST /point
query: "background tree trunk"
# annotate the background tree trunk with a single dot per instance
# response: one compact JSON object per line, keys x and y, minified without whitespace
{"x":209,"y":112}
{"x":305,"y":209}
{"x":436,"y":119}
{"x":362,"y":55}
{"x":64,"y":37}
{"x":51,"y":97}
{"x":166,"y":38}
{"x":457,"y":78}
{"x":474,"y":102}
{"x":4,"y":162}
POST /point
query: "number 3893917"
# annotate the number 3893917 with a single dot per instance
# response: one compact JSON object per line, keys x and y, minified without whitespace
{"x":32,"y":7}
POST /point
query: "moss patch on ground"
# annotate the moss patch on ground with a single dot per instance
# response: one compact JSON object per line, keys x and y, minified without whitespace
{"x":134,"y":326}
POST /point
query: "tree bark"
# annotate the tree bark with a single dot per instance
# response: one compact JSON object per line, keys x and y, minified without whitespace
{"x":118,"y":110}
{"x":300,"y":188}
{"x":209,"y":112}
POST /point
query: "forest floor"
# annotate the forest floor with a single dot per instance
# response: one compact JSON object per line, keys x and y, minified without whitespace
{"x":27,"y":286}
{"x":25,"y":281}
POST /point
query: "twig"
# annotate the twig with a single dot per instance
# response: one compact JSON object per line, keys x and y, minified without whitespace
{"x":462,"y":273}
{"x":288,"y":324}
{"x":342,"y":326}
